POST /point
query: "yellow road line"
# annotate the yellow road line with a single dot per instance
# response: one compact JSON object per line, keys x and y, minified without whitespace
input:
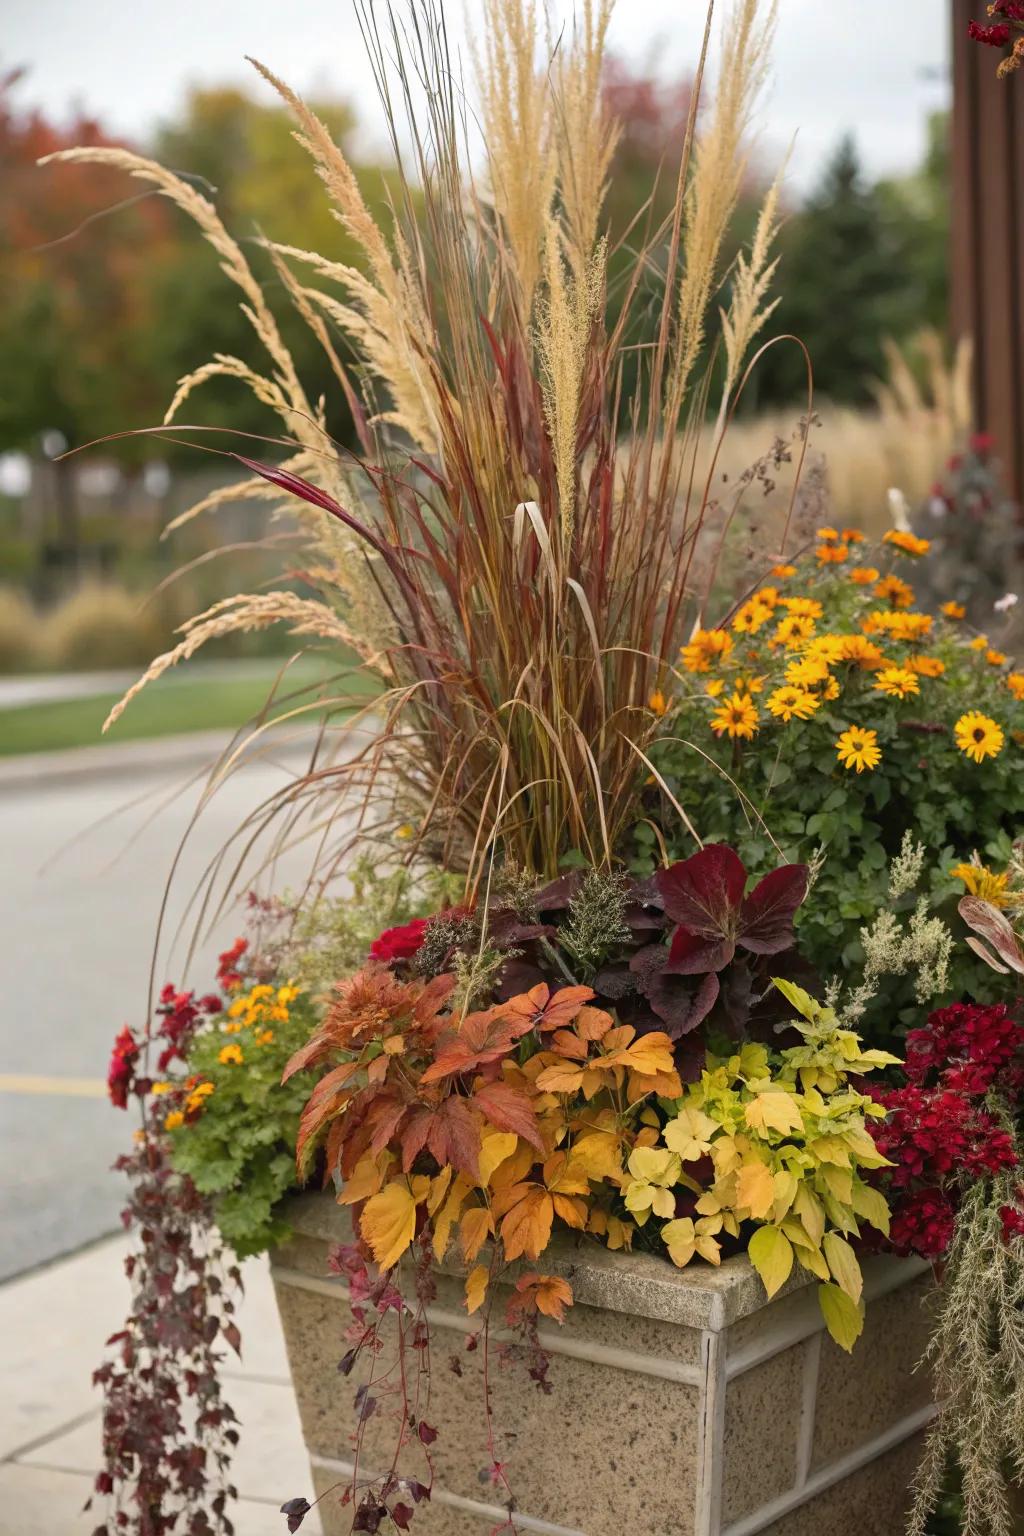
{"x":68,"y":1087}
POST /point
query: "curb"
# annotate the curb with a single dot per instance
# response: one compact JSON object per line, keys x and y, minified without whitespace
{"x":163,"y":754}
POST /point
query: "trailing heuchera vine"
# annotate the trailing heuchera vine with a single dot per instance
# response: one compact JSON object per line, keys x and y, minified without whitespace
{"x":168,"y":1434}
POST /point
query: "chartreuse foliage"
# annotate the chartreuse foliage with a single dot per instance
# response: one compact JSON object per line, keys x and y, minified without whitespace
{"x":786,"y":1136}
{"x":234,"y":1131}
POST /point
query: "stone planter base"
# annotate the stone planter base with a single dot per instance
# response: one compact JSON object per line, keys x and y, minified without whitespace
{"x":683,"y":1404}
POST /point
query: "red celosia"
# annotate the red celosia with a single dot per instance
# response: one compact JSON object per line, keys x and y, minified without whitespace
{"x":121,"y":1071}
{"x":996,"y":37}
{"x":399,"y":943}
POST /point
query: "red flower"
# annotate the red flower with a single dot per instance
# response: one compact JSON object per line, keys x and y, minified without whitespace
{"x":399,"y":943}
{"x":228,"y":976}
{"x":996,"y":37}
{"x":982,"y":443}
{"x":121,"y":1071}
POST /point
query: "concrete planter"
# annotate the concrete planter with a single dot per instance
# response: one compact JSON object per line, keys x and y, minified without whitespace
{"x":683,"y":1403}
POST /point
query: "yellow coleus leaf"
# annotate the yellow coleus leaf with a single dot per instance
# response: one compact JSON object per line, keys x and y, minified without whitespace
{"x":814,"y":1260}
{"x":844,"y":1319}
{"x":774,"y":1112}
{"x":755,"y":1189}
{"x":842,"y":1261}
{"x":771,"y":1254}
{"x":650,"y":1055}
{"x":838,"y":1182}
{"x":449,"y":1215}
{"x":830,"y":1149}
{"x":690,"y":1133}
{"x":494,"y":1149}
{"x":786,"y":1185}
{"x":654,"y":1165}
{"x":599,"y":1154}
{"x":367,"y":1177}
{"x":388,"y":1222}
{"x":811,"y":1212}
{"x":685,"y":1237}
{"x":476,"y":1287}
{"x":870,"y":1203}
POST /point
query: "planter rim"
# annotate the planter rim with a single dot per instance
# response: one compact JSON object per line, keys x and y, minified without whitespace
{"x":700,"y":1296}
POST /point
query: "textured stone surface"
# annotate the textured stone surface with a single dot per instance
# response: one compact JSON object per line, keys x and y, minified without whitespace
{"x":872,"y":1502}
{"x":618,"y":1423}
{"x":864,"y":1394}
{"x":765,"y":1400}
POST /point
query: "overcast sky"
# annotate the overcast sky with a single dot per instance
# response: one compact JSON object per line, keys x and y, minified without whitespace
{"x":129,"y":62}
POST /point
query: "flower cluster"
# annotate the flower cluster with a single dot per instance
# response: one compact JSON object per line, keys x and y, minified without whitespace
{"x":943,"y":1133}
{"x":999,"y":34}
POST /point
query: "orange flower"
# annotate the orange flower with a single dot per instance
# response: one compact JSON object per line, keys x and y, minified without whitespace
{"x":782,"y":571}
{"x":832,"y":554}
{"x":899,"y":593}
{"x":864,"y":575}
{"x":828,"y":535}
{"x":707,"y":645}
{"x":852,"y":536}
{"x":925,"y":666}
{"x":954,"y":610}
{"x":806,"y":607}
{"x":907,"y":542}
{"x":996,"y":658}
{"x":897,"y":682}
{"x":657,"y":703}
{"x":1015,"y":683}
{"x":737,"y":717}
{"x":752,"y":615}
{"x":864,"y":652}
{"x":793,"y":630}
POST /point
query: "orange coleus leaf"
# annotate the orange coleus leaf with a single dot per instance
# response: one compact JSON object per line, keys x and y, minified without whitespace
{"x":327,"y":1100}
{"x":526,"y":1227}
{"x":540,"y":1293}
{"x":450,"y":1131}
{"x":544,"y":1010}
{"x":476,"y":1226}
{"x":481,"y":1038}
{"x":593,"y":1023}
{"x":561,"y":1077}
{"x":649,"y":1055}
{"x":509,"y":1109}
{"x":565,"y":1043}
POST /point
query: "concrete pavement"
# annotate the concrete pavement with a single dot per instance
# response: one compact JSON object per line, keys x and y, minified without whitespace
{"x":53,"y":1324}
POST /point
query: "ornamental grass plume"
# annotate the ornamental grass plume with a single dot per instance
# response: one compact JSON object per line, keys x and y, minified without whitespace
{"x":513,"y":550}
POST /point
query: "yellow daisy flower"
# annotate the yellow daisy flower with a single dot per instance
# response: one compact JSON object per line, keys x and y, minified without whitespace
{"x":867,"y":655}
{"x":793,"y":630}
{"x":751,"y":616}
{"x":807,"y":607}
{"x":737,"y":717}
{"x":978,"y":736}
{"x":806,"y":671}
{"x":707,"y":646}
{"x":897,"y":682}
{"x":979,"y":880}
{"x":857,"y":748}
{"x":827,"y":648}
{"x":657,"y":703}
{"x":174,"y":1119}
{"x":748,"y":684}
{"x":864,"y":575}
{"x":1015,"y":683}
{"x":714,"y":687}
{"x":231,"y":1056}
{"x":791,"y":703}
{"x":954,"y":610}
{"x":979,"y":643}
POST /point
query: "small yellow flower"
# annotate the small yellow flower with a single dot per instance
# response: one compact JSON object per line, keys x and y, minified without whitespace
{"x":978,"y":736}
{"x":657,"y":703}
{"x":907,"y":542}
{"x":806,"y":607}
{"x":405,"y":832}
{"x":807,"y":671}
{"x":867,"y":655}
{"x":748,"y":683}
{"x":828,"y":648}
{"x":707,"y":646}
{"x":159,"y":1088}
{"x":714,"y":687}
{"x":859,"y":749}
{"x":897,"y":624}
{"x":265,"y":1037}
{"x":897,"y":682}
{"x":231,"y":1056}
{"x":1015,"y":683}
{"x":202,"y":1090}
{"x":979,"y":643}
{"x":233,"y":1028}
{"x":981,"y":881}
{"x":830,"y":690}
{"x":791,"y":703}
{"x":954,"y":610}
{"x":996,"y":658}
{"x":925,"y":666}
{"x":899,"y":593}
{"x":737,"y":717}
{"x":851,"y":536}
{"x":864,"y":575}
{"x":174,"y":1119}
{"x":782,"y":571}
{"x":287,"y":994}
{"x":793,"y":630}
{"x":752,"y":616}
{"x":832,"y":554}
{"x":828,"y":535}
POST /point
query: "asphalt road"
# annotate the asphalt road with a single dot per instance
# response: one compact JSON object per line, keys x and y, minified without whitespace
{"x":83,"y":863}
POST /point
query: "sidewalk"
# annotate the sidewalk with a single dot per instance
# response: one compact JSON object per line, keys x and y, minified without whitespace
{"x":53,"y":1324}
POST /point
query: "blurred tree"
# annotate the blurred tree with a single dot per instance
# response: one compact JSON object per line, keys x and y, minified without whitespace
{"x":858,"y":264}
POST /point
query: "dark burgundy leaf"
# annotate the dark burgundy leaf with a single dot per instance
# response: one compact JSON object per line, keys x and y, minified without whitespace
{"x":766,"y":919}
{"x":426,"y":1432}
{"x":401,"y":1514}
{"x":694,"y":954}
{"x":418,"y":1491}
{"x":296,"y":1510}
{"x":616,"y":982}
{"x":704,"y":892}
{"x":557,"y":896}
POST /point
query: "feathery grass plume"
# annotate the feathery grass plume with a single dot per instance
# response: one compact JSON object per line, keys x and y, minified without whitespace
{"x":515,"y":110}
{"x":567,"y":311}
{"x":530,"y":568}
{"x":719,"y":163}
{"x":585,"y":135}
{"x":976,"y":1356}
{"x":749,"y":307}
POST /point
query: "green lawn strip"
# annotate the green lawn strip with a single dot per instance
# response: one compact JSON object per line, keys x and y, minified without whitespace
{"x":176,"y":705}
